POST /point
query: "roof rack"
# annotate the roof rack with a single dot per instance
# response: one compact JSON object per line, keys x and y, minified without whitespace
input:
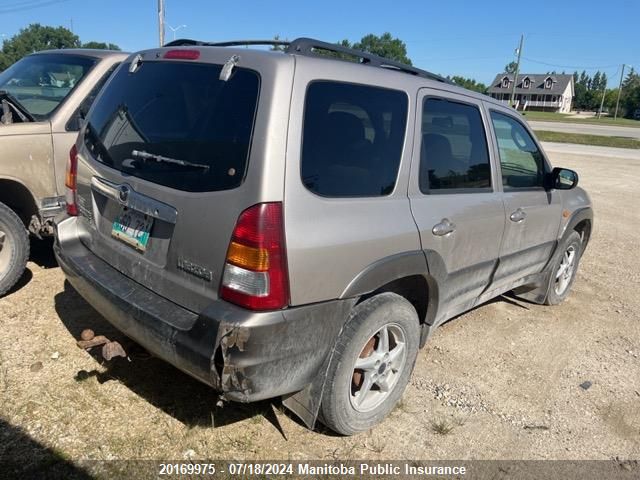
{"x":311,"y":48}
{"x":186,"y":42}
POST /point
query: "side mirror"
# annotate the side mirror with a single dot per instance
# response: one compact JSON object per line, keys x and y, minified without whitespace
{"x":563,"y":178}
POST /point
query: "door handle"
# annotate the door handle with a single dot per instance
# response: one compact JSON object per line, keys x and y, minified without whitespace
{"x":518,"y":216}
{"x":445,"y":227}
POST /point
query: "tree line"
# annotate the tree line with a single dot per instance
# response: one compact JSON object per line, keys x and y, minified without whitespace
{"x":589,"y":91}
{"x":38,"y":37}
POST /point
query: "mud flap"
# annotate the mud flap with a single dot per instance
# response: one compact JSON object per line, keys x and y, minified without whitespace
{"x":538,"y":291}
{"x":305,"y":404}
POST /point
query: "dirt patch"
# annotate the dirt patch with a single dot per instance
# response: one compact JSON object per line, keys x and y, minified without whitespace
{"x":502,"y":381}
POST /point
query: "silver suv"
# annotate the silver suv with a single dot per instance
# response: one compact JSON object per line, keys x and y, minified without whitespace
{"x":296,"y":225}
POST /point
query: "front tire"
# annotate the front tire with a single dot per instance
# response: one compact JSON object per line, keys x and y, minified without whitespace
{"x":565,"y":269}
{"x":371,"y":365}
{"x":14,"y":248}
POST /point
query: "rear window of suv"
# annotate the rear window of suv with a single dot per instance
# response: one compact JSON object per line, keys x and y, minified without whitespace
{"x":352,"y":139}
{"x":176,"y":124}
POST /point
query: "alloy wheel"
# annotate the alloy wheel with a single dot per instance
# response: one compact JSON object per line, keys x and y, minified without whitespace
{"x":378,"y":368}
{"x":565,"y":270}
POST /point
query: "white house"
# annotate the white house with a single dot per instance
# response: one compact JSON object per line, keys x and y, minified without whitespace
{"x":543,"y":92}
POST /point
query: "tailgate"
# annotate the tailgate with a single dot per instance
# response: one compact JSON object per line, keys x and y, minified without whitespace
{"x":161,"y":174}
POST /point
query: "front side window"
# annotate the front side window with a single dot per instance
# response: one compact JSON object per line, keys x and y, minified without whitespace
{"x":352,"y":139}
{"x":42,"y":82}
{"x":521,"y":161}
{"x":454,"y":153}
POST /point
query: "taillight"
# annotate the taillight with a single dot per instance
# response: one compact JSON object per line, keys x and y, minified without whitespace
{"x":255,"y":274}
{"x":183,"y":54}
{"x":71,"y":182}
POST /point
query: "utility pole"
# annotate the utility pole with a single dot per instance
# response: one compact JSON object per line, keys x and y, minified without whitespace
{"x":161,"y":21}
{"x":604,"y":90}
{"x":515,"y":76}
{"x":619,"y":92}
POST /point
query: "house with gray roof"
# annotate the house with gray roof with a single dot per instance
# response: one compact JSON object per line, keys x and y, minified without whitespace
{"x":535,"y":91}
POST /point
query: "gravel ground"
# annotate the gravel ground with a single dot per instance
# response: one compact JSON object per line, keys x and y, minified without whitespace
{"x":500,"y":382}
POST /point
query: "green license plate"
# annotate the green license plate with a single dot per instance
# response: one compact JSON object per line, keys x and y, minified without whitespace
{"x":132,"y":228}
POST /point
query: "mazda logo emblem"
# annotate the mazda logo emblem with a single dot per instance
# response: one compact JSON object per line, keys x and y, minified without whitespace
{"x":123,"y":193}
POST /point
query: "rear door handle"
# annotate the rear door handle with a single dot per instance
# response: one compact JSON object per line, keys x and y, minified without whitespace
{"x":518,"y":216}
{"x":445,"y":227}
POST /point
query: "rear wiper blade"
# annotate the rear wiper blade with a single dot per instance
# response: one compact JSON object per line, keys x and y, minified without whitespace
{"x":161,"y":159}
{"x":19,"y":109}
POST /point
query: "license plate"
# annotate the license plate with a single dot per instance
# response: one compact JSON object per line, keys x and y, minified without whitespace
{"x":132,"y":228}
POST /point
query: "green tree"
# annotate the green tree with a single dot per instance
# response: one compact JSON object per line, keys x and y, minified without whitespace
{"x":630,"y":98}
{"x":580,"y":99}
{"x":595,"y":81}
{"x":385,"y":46}
{"x":469,"y":84}
{"x":510,"y":67}
{"x":278,"y":48}
{"x":610,"y":99}
{"x":35,"y":38}
{"x":101,"y":46}
{"x":584,"y":79}
{"x":630,"y":78}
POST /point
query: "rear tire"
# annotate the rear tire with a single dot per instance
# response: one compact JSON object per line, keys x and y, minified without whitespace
{"x":14,"y":248}
{"x":356,"y":399}
{"x":565,"y":269}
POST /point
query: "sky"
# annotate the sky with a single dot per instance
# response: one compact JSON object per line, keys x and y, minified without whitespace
{"x":467,"y":38}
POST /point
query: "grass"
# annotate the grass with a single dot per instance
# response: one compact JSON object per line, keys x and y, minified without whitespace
{"x":583,"y":139}
{"x":442,"y":426}
{"x":563,"y":117}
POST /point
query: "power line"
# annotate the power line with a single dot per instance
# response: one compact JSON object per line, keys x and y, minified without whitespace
{"x":583,"y":67}
{"x":23,"y":3}
{"x":29,"y":6}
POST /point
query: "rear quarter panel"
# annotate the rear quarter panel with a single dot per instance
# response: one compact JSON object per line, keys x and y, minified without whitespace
{"x":27,"y":157}
{"x":331,"y":240}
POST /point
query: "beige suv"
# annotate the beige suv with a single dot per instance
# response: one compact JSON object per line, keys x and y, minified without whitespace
{"x":43,"y":98}
{"x":289,"y":224}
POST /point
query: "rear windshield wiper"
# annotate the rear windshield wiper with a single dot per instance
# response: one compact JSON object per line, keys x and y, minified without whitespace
{"x":161,"y":159}
{"x":23,"y":113}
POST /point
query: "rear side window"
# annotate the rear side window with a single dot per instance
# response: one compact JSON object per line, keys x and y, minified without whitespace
{"x":352,"y":139}
{"x":454,"y":153}
{"x":176,"y":124}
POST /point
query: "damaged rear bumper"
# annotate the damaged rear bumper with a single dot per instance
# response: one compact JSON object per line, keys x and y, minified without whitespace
{"x":246,"y":355}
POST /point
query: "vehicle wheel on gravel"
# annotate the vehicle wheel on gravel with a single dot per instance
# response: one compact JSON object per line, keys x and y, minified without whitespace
{"x":565,"y":269}
{"x":14,"y":248}
{"x":372,"y":364}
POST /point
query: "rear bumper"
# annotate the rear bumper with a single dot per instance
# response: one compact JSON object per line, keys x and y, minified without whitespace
{"x":246,"y":355}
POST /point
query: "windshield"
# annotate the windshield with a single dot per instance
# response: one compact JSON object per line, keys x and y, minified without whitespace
{"x":176,"y":124}
{"x":42,"y":82}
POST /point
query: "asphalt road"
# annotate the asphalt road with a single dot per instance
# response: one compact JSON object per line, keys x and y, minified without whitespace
{"x":605,"y":130}
{"x":589,"y":150}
